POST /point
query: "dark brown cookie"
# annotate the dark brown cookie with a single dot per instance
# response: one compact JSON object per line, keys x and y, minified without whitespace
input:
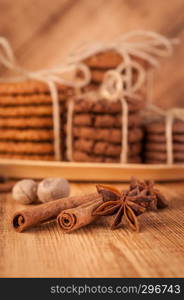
{"x":157,"y":162}
{"x":108,"y":59}
{"x":104,"y":148}
{"x":104,"y":106}
{"x":107,"y":135}
{"x":162,"y":156}
{"x":161,"y":138}
{"x":80,"y":156}
{"x":161,"y":147}
{"x":105,"y":121}
{"x":159,"y":127}
{"x":97,"y":75}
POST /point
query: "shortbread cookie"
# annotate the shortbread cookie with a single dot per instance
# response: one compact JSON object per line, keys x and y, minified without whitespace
{"x":27,"y":122}
{"x":104,"y":148}
{"x":84,"y":157}
{"x":26,"y":135}
{"x":31,"y":110}
{"x":27,"y":156}
{"x":28,"y":99}
{"x":29,"y":87}
{"x":108,"y":135}
{"x":105,"y":121}
{"x":26,"y":147}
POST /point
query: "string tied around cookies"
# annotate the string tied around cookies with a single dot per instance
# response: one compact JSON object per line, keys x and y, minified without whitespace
{"x":113,"y":88}
{"x":119,"y":83}
{"x":51,"y":77}
{"x":144,"y":45}
{"x":170,"y":116}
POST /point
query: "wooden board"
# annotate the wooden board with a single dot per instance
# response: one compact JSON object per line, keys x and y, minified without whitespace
{"x":89,"y":171}
{"x":96,"y":251}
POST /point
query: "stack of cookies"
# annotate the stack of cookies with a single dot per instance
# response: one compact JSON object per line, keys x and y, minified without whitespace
{"x":26,"y":122}
{"x":97,"y":130}
{"x":102,"y":62}
{"x":155,"y":150}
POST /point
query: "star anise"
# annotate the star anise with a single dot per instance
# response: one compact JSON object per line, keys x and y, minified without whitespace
{"x":147,"y":187}
{"x":128,"y":205}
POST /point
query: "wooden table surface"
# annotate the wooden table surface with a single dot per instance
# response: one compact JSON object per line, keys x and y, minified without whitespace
{"x":95,"y":251}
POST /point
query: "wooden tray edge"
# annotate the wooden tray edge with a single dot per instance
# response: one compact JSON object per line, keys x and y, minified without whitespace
{"x":89,"y":171}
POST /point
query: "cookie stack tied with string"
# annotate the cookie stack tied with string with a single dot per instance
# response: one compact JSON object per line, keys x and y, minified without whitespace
{"x":26,"y":120}
{"x":103,"y":121}
{"x":164,"y":136}
{"x":32,"y":107}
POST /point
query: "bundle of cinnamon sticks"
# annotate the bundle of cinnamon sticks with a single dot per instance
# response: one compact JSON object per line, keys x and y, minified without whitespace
{"x":108,"y":205}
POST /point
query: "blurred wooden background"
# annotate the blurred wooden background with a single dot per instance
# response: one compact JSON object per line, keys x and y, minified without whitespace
{"x":43,"y":32}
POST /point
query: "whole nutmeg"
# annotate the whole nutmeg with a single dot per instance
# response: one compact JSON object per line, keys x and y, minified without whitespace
{"x":52,"y":189}
{"x":25,"y":191}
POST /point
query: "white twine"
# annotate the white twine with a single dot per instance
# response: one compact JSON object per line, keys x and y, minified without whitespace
{"x":147,"y":45}
{"x":51,"y":77}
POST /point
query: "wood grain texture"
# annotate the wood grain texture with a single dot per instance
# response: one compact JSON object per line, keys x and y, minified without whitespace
{"x":43,"y":32}
{"x":95,"y":251}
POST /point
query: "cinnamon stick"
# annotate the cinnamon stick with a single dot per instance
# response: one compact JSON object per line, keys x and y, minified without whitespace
{"x":75,"y":218}
{"x":25,"y":219}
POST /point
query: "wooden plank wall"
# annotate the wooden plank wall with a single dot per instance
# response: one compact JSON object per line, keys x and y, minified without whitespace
{"x":43,"y":32}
